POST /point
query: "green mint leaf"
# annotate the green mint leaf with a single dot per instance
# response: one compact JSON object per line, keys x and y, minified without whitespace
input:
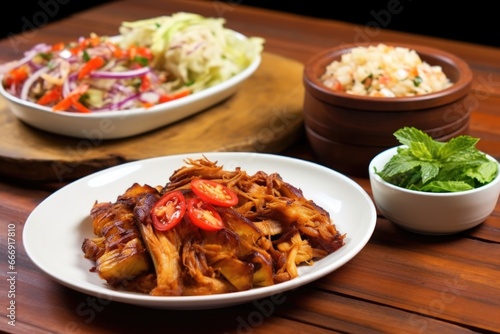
{"x":456,"y":147}
{"x":446,"y":186}
{"x":399,"y":163}
{"x":429,"y":170}
{"x":485,"y":173}
{"x":422,"y":151}
{"x":425,"y":164}
{"x":420,"y":143}
{"x":408,"y":135}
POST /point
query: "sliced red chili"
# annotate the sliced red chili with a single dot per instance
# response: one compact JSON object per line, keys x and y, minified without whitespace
{"x":75,"y":103}
{"x":90,"y":66}
{"x":214,"y":192}
{"x":58,"y":46}
{"x":116,"y":50}
{"x":170,"y":97}
{"x":91,"y":41}
{"x":17,"y":76}
{"x":169,"y":210}
{"x":203,"y":215}
{"x":145,"y":84}
{"x":140,"y":54}
{"x":72,"y":100}
{"x":53,"y":95}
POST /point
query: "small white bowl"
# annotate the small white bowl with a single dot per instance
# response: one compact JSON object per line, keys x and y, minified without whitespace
{"x":431,"y":213}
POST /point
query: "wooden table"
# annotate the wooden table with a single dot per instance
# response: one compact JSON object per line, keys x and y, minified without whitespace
{"x":399,"y":283}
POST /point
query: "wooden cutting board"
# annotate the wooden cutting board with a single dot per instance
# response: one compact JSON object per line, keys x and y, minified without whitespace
{"x":264,"y":115}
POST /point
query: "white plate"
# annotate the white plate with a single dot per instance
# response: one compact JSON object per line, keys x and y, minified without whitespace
{"x":54,"y":232}
{"x":125,"y":123}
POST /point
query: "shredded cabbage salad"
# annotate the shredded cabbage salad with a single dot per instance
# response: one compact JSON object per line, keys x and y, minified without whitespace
{"x":151,"y":61}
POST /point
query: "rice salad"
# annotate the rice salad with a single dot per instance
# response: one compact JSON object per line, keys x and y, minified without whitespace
{"x":384,"y":71}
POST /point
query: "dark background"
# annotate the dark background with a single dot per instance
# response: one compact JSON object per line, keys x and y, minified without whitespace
{"x":470,"y":21}
{"x":29,"y":14}
{"x":476,"y":22}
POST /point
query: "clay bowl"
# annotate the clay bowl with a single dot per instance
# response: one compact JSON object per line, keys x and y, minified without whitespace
{"x":346,"y":131}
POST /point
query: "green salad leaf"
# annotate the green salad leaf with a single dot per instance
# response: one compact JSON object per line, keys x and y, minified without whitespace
{"x":425,"y":164}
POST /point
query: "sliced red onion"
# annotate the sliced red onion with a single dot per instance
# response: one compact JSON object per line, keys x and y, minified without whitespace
{"x":28,"y":55}
{"x":119,"y":104}
{"x":67,"y":85}
{"x":41,"y":47}
{"x":29,"y":82}
{"x":34,"y":66}
{"x":120,"y":88}
{"x":126,"y":101}
{"x":120,"y":75}
{"x":13,"y":89}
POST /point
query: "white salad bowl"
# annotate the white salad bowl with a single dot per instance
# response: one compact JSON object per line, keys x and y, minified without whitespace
{"x":124,"y":123}
{"x":427,"y":212}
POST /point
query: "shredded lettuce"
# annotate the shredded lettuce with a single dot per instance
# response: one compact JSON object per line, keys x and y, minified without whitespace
{"x":199,"y":51}
{"x":425,"y":164}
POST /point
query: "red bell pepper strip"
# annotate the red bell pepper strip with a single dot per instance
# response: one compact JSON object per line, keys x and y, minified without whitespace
{"x":140,"y":54}
{"x":53,"y":95}
{"x":16,"y":76}
{"x":92,"y":65}
{"x":170,"y":97}
{"x":78,"y":106}
{"x":58,"y":46}
{"x":145,"y":84}
{"x":72,"y":100}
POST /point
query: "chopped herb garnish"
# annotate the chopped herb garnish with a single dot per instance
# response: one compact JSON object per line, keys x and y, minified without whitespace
{"x":367,"y":82}
{"x":141,"y":60}
{"x":45,"y":56}
{"x":417,"y":81}
{"x":85,"y":56}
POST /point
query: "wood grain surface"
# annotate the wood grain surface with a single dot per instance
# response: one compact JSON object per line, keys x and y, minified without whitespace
{"x":269,"y":104}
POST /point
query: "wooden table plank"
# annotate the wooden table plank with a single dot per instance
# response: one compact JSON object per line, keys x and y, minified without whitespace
{"x":444,"y":273}
{"x":339,"y":313}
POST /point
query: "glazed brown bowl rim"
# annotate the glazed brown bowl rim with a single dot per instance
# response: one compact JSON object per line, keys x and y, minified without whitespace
{"x":316,"y":66}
